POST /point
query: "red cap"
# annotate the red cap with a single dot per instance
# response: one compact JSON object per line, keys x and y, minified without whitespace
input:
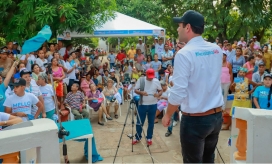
{"x":150,"y":73}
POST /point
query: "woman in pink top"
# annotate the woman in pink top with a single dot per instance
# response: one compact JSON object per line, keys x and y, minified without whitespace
{"x":85,"y":84}
{"x":139,"y":58}
{"x":58,"y":76}
{"x":249,"y":65}
{"x":226,"y":78}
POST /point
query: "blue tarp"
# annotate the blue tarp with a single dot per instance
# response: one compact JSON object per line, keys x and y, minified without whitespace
{"x":79,"y":128}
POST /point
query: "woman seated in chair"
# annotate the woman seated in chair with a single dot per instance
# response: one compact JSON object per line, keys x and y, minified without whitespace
{"x":85,"y":83}
{"x":109,"y":91}
{"x":163,"y":100}
{"x":95,"y":99}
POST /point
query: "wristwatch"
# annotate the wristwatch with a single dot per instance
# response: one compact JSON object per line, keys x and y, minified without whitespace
{"x":5,"y":123}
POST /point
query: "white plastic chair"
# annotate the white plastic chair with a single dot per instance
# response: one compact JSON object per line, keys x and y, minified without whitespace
{"x":71,"y":116}
{"x":90,"y":109}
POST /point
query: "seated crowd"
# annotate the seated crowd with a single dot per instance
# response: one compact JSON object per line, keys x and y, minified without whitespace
{"x":80,"y":83}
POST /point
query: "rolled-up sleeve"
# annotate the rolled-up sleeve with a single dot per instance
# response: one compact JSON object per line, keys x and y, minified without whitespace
{"x":180,"y":79}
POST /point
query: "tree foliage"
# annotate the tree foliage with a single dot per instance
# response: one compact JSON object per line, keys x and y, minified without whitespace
{"x":21,"y":19}
{"x":91,"y":42}
{"x":145,"y":10}
{"x":227,"y":19}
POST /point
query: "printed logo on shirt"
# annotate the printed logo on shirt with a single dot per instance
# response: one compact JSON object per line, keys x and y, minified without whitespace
{"x":44,"y":94}
{"x":21,"y":106}
{"x":206,"y":53}
{"x":263,"y":94}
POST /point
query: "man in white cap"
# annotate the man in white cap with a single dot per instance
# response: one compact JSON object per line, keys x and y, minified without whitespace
{"x":257,"y":44}
{"x":242,"y":42}
{"x":141,"y":46}
{"x":114,"y":78}
{"x":200,"y":104}
{"x":159,"y":48}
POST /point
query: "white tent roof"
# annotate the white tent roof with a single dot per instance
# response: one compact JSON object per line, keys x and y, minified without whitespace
{"x":122,"y":26}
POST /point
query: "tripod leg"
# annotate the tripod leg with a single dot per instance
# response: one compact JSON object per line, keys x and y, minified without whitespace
{"x":144,"y":135}
{"x":121,"y":135}
{"x":132,"y":124}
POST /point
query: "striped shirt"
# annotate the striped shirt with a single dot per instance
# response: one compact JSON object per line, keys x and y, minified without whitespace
{"x":74,"y":100}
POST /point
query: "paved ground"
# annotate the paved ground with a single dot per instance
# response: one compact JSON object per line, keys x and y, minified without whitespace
{"x":164,"y":149}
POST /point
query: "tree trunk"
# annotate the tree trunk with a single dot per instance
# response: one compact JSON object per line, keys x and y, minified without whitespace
{"x":259,"y":34}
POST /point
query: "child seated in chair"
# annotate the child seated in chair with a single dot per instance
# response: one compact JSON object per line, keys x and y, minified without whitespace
{"x":75,"y":101}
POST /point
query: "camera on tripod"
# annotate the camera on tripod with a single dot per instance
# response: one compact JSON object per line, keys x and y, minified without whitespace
{"x":62,"y":132}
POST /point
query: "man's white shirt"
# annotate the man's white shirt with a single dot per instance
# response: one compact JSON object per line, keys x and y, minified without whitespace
{"x":196,"y":78}
{"x":142,"y":47}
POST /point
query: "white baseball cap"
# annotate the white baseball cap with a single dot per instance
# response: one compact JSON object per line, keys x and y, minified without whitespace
{"x":140,"y":39}
{"x":112,"y":70}
{"x":156,"y":37}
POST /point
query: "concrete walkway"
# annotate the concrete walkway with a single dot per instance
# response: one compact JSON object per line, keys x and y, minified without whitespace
{"x":164,"y":149}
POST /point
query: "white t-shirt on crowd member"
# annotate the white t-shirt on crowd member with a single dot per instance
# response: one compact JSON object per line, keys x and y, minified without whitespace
{"x":129,"y":70}
{"x":41,"y":63}
{"x":167,"y":55}
{"x":151,"y":87}
{"x":9,"y":92}
{"x":4,"y":117}
{"x":166,"y":93}
{"x":159,"y":49}
{"x":47,"y":93}
{"x":71,"y":75}
{"x":62,"y":51}
{"x":30,"y":61}
{"x":21,"y":104}
{"x":141,"y":46}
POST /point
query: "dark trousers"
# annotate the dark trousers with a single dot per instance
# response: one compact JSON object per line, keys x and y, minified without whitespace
{"x":199,"y":136}
{"x":150,"y":112}
{"x":71,"y":82}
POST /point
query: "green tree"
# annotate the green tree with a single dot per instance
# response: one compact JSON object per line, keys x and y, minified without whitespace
{"x":91,"y":42}
{"x":2,"y":42}
{"x":145,"y":10}
{"x":21,"y":19}
{"x":227,"y":19}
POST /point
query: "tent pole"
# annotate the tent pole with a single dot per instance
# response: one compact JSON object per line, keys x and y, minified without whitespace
{"x":108,"y":47}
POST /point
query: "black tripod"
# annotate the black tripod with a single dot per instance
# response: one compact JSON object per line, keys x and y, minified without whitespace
{"x":131,"y":109}
{"x":62,"y":132}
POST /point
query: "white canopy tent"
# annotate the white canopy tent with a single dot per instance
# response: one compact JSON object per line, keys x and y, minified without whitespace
{"x":120,"y":26}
